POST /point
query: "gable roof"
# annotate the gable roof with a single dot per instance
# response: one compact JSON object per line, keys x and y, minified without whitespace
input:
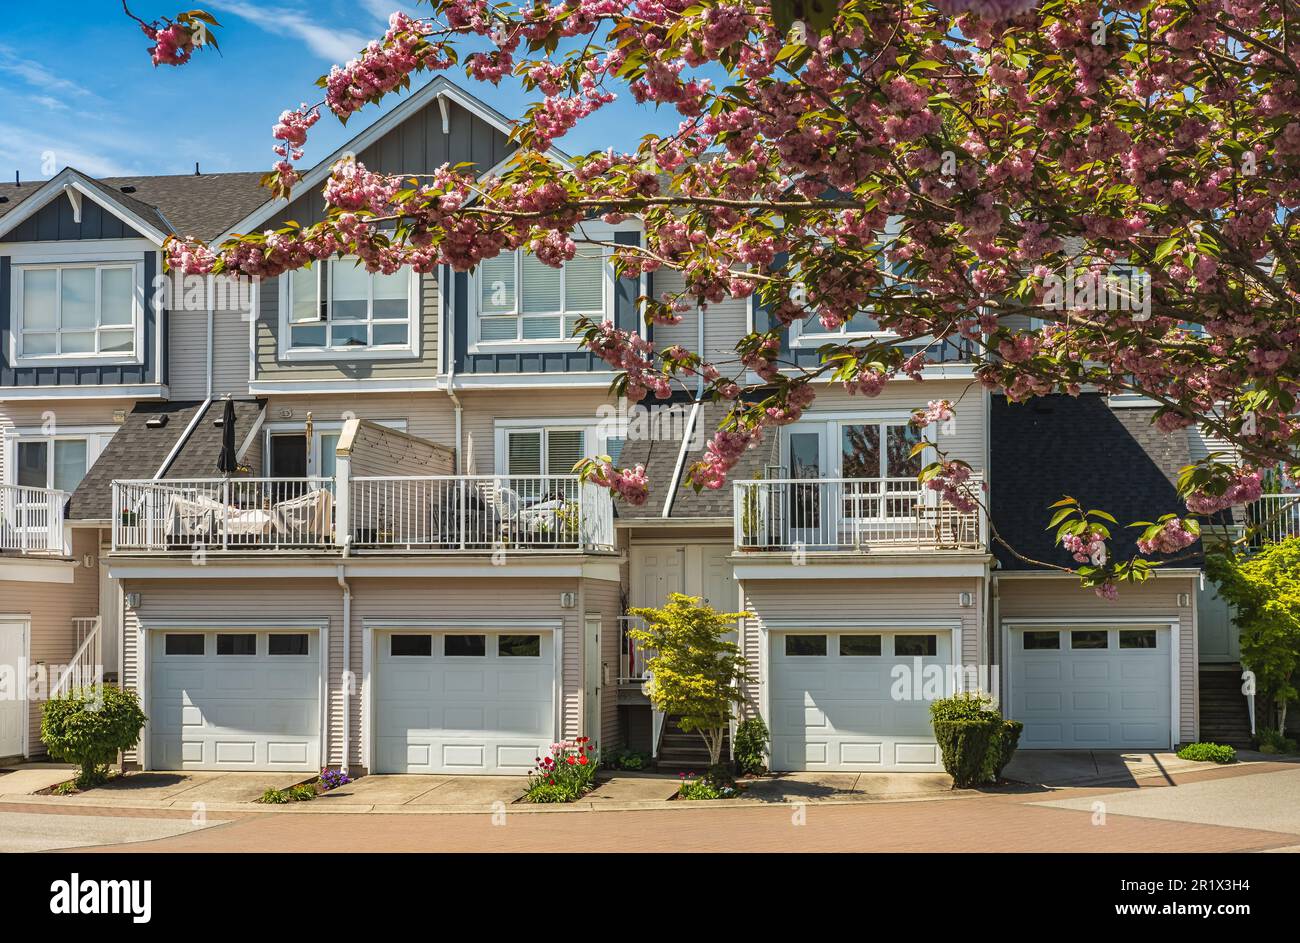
{"x":199,"y":205}
{"x":1109,"y":459}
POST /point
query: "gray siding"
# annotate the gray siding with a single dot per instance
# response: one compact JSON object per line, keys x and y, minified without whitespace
{"x":189,"y":354}
{"x":53,"y":223}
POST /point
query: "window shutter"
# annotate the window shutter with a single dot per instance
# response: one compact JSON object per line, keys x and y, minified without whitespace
{"x":564,"y":449}
{"x":524,"y":453}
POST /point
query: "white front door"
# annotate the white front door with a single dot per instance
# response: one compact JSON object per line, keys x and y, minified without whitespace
{"x":238,"y":699}
{"x":835,"y":704}
{"x":1091,"y":687}
{"x":13,"y":682}
{"x":463,"y":701}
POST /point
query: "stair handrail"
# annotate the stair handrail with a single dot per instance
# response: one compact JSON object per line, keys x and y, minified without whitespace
{"x":92,"y":640}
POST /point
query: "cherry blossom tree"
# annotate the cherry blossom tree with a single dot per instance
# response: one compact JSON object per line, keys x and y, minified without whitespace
{"x":1124,"y":174}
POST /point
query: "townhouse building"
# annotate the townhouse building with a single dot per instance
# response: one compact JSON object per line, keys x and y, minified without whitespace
{"x":397,"y":572}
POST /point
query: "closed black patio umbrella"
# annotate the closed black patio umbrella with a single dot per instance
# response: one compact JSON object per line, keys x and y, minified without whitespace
{"x":227,"y":462}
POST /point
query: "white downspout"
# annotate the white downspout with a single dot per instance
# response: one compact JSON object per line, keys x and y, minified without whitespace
{"x":344,"y":688}
{"x":450,"y":354}
{"x":691,"y":420}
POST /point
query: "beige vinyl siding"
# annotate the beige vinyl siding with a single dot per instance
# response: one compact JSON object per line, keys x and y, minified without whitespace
{"x":1062,"y":598}
{"x":270,"y":367}
{"x":373,"y":601}
{"x":873,"y":600}
{"x":187,"y":365}
{"x":548,"y":406}
{"x":15,"y":414}
{"x":1202,"y":442}
{"x":51,"y":608}
{"x":604,"y":598}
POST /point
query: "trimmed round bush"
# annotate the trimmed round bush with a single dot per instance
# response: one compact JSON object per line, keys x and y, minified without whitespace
{"x":965,"y":745}
{"x":1208,"y":753}
{"x":89,"y":727}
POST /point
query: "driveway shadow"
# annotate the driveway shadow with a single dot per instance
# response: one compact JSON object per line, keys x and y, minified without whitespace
{"x":801,"y":787}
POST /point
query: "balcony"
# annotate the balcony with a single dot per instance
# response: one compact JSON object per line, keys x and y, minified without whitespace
{"x":1273,"y":518}
{"x":373,"y":514}
{"x":851,"y":515}
{"x":31,"y":521}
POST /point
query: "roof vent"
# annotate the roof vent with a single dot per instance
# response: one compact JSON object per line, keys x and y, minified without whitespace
{"x":127,"y":188}
{"x":156,"y":422}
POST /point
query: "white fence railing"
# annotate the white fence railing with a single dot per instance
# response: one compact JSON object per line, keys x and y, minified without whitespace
{"x":850,"y":514}
{"x":31,"y":519}
{"x":223,"y":514}
{"x":480,"y":512}
{"x":632,"y":657}
{"x":87,"y":666}
{"x":1274,"y":517}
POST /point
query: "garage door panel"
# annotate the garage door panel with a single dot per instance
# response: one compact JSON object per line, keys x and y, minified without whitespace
{"x":209,"y":713}
{"x":1116,"y":698}
{"x":479,"y":714}
{"x":837,"y":712}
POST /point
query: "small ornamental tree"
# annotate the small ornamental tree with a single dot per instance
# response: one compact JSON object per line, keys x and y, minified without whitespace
{"x":90,"y":726}
{"x":695,"y":671}
{"x":1265,"y":589}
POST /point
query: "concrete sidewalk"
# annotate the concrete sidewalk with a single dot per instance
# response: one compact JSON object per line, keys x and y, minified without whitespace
{"x":23,"y":779}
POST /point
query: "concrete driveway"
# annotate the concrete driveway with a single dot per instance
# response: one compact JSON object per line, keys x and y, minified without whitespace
{"x":1073,"y":767}
{"x":1266,"y":801}
{"x":424,"y":791}
{"x":188,"y":788}
{"x":827,"y":787}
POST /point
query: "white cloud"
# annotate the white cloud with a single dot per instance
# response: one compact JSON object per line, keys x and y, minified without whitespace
{"x":336,"y":45}
{"x":36,"y":75}
{"x":381,"y":10}
{"x":42,"y":155}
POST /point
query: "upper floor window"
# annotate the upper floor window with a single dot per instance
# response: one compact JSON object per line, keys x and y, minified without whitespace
{"x":77,"y":311}
{"x":521,"y":299}
{"x":52,"y":463}
{"x":339,"y":306}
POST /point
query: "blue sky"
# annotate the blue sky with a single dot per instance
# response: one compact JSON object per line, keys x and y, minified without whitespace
{"x":78,"y":86}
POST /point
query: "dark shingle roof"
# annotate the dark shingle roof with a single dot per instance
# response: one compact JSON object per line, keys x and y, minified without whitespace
{"x":183,"y":204}
{"x":660,"y":459}
{"x":198,"y":459}
{"x":137,"y":452}
{"x":1109,"y":459}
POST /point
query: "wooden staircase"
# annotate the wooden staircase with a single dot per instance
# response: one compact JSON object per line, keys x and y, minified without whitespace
{"x":1224,"y":717}
{"x":686,"y":752}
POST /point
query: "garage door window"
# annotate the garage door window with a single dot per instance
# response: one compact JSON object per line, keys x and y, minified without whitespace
{"x":916,"y":646}
{"x":1089,"y":639}
{"x":1042,"y":641}
{"x":1137,"y":638}
{"x":859,"y":645}
{"x":183,"y":644}
{"x":287,"y":644}
{"x":460,"y":646}
{"x":411,"y":645}
{"x":241,"y":644}
{"x":799,"y":646}
{"x":519,"y":646}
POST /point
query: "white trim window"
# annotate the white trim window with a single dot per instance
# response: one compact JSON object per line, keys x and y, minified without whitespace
{"x":58,"y":463}
{"x":339,"y":308}
{"x":72,"y":312}
{"x":518,"y":298}
{"x":543,"y":451}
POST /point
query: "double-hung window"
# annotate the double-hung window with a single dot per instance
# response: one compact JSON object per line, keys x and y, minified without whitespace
{"x":52,"y":463}
{"x":521,"y":299}
{"x":78,"y":311}
{"x":533,"y":456}
{"x":339,"y":306}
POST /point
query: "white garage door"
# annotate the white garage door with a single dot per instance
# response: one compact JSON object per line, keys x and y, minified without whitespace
{"x":1091,"y":687}
{"x":234,"y":700}
{"x":456,"y":702}
{"x":832,"y":703}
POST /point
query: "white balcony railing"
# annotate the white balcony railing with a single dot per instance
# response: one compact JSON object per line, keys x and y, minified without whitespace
{"x":31,"y":520}
{"x":223,"y":514}
{"x":632,"y":657}
{"x":850,"y":514}
{"x":1274,"y":517}
{"x":480,"y":512}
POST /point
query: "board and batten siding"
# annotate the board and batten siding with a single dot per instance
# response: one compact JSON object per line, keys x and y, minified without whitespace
{"x":246,"y":602}
{"x":51,"y":607}
{"x":814,"y":603}
{"x":1055,"y":598}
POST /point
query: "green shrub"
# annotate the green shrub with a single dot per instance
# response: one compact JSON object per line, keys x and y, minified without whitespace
{"x":549,"y":792}
{"x":629,"y":760}
{"x":90,"y":727}
{"x":715,"y":784}
{"x":1006,"y":741}
{"x":964,"y":705}
{"x":1273,"y":741}
{"x":299,"y":793}
{"x":750,"y":748}
{"x":1208,"y":753}
{"x":965,"y":746}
